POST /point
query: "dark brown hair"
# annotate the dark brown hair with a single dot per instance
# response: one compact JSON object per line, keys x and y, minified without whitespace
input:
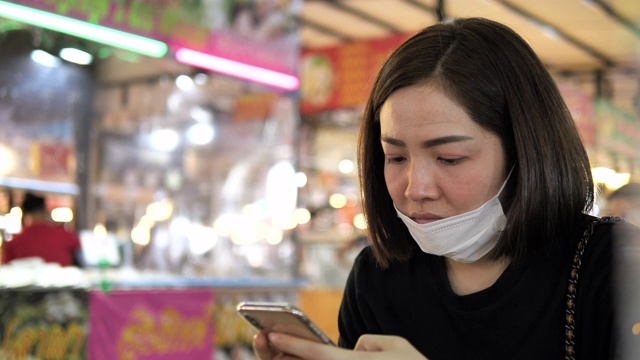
{"x":33,"y":203}
{"x":493,"y":74}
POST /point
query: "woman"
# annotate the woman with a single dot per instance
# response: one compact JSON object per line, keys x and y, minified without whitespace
{"x":475,"y":188}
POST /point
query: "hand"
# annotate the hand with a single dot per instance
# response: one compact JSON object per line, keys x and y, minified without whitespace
{"x":262,"y":348}
{"x":388,"y":347}
{"x":369,"y":347}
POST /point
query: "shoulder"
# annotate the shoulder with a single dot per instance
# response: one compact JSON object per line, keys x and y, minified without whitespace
{"x":607,"y":233}
{"x":365,"y":263}
{"x":60,"y":233}
{"x":365,"y":259}
{"x":595,"y":309}
{"x":598,"y":232}
{"x":364,"y":266}
{"x":594,"y":257}
{"x":367,"y":275}
{"x":16,"y":239}
{"x":600,"y":236}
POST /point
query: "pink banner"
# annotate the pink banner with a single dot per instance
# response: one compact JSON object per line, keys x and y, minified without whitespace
{"x":151,"y":325}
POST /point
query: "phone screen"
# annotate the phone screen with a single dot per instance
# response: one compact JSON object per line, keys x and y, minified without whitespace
{"x":283,"y":318}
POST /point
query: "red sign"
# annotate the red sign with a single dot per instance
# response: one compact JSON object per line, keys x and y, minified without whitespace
{"x":342,"y":76}
{"x":53,"y":161}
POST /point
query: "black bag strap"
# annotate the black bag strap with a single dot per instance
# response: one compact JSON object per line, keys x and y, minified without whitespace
{"x":572,"y":290}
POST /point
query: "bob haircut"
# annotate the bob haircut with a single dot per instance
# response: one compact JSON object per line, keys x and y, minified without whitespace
{"x":494,"y":75}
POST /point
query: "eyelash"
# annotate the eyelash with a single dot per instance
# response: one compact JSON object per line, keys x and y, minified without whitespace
{"x":445,"y":161}
{"x":450,"y":161}
{"x":395,"y":160}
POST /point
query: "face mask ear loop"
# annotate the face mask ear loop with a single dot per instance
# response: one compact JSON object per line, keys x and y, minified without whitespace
{"x":506,"y":180}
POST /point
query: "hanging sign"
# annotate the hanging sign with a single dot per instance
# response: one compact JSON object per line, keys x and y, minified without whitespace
{"x":342,"y":76}
{"x":259,"y":33}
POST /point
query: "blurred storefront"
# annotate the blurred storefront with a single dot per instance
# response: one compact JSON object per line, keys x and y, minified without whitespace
{"x":151,"y":147}
{"x":180,"y":169}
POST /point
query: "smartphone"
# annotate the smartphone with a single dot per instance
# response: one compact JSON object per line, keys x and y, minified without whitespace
{"x":281,"y":317}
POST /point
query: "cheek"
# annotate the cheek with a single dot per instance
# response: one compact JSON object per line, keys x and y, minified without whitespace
{"x":464,"y":196}
{"x":396,"y":184}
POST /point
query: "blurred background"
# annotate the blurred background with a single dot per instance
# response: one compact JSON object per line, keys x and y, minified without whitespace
{"x":209,"y":145}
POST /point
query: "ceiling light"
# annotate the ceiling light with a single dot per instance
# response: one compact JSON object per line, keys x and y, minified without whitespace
{"x":164,"y":139}
{"x":44,"y":58}
{"x":346,"y":166}
{"x":237,"y":69}
{"x":76,"y":56}
{"x":84,"y":30}
{"x":184,"y":83}
{"x":200,"y":134}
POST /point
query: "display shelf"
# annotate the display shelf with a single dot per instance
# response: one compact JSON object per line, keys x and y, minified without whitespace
{"x":231,"y":283}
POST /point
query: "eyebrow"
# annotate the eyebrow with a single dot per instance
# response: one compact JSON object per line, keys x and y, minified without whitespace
{"x":429,"y":143}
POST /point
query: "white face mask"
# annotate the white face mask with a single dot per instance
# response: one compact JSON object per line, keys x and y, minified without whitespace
{"x":465,"y":237}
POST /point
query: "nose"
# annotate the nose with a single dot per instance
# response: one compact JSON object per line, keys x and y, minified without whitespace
{"x":421,"y":184}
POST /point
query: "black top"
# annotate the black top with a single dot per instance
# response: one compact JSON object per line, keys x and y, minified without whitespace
{"x":521,"y":316}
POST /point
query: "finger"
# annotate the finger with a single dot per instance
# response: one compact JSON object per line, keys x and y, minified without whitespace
{"x":296,"y":347}
{"x":379,"y":343}
{"x":262,"y":348}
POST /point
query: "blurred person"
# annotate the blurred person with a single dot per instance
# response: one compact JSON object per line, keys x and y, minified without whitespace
{"x":476,"y":189}
{"x":41,"y":237}
{"x":624,"y":202}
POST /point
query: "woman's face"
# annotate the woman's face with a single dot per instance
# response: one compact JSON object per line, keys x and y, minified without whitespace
{"x":438,"y":162}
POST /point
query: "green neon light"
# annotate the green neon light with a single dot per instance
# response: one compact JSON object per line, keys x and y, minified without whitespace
{"x":85,"y":30}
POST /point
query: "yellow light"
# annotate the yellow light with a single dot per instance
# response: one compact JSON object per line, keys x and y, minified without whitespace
{"x":99,"y":231}
{"x":345,"y":166}
{"x":13,"y":221}
{"x":140,"y":236}
{"x":7,"y":160}
{"x":300,"y":179}
{"x":62,"y":214}
{"x":337,"y":201}
{"x":76,"y":56}
{"x":302,"y":216}
{"x":616,"y":180}
{"x":274,"y":237}
{"x":359,"y":222}
{"x":16,"y":211}
{"x":285,"y":222}
{"x":146,"y":221}
{"x":601,"y":174}
{"x":201,"y":239}
{"x":161,"y":210}
{"x":247,"y":234}
{"x":226,"y":223}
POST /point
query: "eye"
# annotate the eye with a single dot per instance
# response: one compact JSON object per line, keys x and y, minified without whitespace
{"x":395,"y":160}
{"x":450,"y":161}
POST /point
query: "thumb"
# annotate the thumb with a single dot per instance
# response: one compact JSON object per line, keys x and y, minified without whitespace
{"x":380,"y":343}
